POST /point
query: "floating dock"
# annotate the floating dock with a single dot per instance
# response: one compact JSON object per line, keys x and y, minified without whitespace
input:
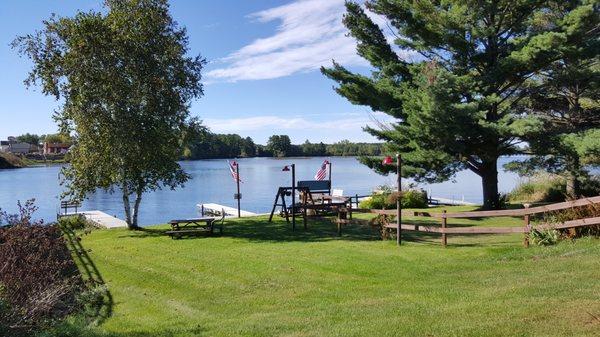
{"x":100,"y":219}
{"x":217,"y":209}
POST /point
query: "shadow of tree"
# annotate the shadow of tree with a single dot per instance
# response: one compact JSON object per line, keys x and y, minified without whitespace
{"x":79,"y":329}
{"x":259,"y":229}
{"x":101,"y":307}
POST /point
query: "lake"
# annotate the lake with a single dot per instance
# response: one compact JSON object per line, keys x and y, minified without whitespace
{"x":212,"y":183}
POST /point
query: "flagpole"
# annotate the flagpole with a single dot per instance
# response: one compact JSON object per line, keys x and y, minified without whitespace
{"x":239,"y":196}
{"x":330,"y":181}
{"x":293,"y":197}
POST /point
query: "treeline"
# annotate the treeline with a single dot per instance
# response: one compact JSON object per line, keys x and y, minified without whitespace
{"x":201,"y":143}
{"x":35,"y":139}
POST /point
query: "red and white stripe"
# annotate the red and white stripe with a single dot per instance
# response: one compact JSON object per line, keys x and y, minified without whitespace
{"x":233,"y":169}
{"x":322,"y":172}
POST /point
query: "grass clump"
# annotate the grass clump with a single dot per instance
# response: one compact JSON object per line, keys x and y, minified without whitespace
{"x":541,"y":187}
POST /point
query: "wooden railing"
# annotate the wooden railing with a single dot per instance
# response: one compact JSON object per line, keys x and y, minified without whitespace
{"x":526,"y":213}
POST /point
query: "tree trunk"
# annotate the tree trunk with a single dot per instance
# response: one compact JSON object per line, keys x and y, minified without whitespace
{"x":136,"y":208}
{"x":127,"y":207}
{"x":489,"y":180}
{"x":573,"y":187}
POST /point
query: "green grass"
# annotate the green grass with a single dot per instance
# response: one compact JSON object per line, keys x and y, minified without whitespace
{"x":262,"y":279}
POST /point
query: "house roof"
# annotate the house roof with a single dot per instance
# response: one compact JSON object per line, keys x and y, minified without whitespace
{"x":57,"y":145}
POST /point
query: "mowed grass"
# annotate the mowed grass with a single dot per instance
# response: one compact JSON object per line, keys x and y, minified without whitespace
{"x":262,"y":279}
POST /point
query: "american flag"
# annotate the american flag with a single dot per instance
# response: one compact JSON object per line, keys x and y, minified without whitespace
{"x":233,"y":169}
{"x":322,"y":172}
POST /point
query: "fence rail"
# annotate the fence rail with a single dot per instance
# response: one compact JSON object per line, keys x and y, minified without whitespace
{"x":523,"y":212}
{"x":485,"y":214}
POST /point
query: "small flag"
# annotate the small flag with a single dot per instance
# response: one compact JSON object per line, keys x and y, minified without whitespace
{"x":233,"y":169}
{"x":322,"y":172}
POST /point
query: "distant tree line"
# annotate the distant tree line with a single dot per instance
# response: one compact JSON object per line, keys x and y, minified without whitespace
{"x":35,"y":139}
{"x":200,"y":143}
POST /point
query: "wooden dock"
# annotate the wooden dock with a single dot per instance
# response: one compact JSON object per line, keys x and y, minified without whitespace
{"x":216,"y":210}
{"x":450,"y":202}
{"x":100,"y":219}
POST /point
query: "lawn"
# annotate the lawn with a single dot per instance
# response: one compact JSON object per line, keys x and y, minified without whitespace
{"x":262,"y":279}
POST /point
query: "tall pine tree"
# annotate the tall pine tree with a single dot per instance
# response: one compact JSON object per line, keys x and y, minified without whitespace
{"x":455,"y":105}
{"x":562,"y":113}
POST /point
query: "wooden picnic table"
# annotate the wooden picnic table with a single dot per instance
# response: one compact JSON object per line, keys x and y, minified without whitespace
{"x":181,"y":227}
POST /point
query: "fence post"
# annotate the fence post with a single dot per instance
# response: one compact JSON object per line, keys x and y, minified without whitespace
{"x":357,"y":200}
{"x":526,"y":221}
{"x":444,"y":223}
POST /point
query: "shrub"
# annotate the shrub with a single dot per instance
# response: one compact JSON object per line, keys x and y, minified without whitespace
{"x":546,"y":187}
{"x":575,"y":213}
{"x":414,"y":199}
{"x":387,"y":200}
{"x":74,"y":223}
{"x":544,"y":237}
{"x":539,"y":188}
{"x":39,"y":277}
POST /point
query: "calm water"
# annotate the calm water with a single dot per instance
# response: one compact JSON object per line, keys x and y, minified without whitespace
{"x":212,"y":183}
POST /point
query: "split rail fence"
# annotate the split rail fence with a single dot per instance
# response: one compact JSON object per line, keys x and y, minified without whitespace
{"x":526,"y":213}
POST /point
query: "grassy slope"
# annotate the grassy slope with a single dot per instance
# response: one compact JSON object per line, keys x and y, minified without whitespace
{"x":8,"y":160}
{"x":260,"y":279}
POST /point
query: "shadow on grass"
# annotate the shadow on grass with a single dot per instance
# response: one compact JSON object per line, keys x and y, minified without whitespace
{"x":101,"y":307}
{"x":259,"y":229}
{"x":81,"y":329}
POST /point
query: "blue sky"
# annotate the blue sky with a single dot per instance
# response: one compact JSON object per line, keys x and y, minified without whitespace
{"x":262,"y":77}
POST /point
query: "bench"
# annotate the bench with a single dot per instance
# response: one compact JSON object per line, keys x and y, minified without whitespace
{"x":315,"y":186}
{"x":65,"y":205}
{"x":195,"y":226}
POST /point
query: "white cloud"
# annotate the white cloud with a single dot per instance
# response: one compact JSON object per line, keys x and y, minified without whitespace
{"x":352,"y":122}
{"x":310,"y":35}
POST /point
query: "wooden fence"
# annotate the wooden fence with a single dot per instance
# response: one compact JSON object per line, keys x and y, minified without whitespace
{"x":526,"y":213}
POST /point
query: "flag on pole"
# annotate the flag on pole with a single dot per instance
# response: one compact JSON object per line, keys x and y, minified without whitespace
{"x":322,"y":172}
{"x":233,"y":169}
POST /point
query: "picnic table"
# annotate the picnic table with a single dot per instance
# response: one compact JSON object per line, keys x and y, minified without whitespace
{"x":183,"y":227}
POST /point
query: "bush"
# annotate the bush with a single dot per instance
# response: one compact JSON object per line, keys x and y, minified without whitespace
{"x":539,"y":188}
{"x":75,"y":223}
{"x":575,"y":213}
{"x":544,"y":237}
{"x":39,"y":278}
{"x":387,"y":200}
{"x":546,"y":187}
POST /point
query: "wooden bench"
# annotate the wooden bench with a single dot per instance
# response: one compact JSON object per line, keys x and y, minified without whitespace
{"x":65,"y":205}
{"x":195,"y":226}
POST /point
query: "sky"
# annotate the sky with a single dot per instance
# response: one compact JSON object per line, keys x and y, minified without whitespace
{"x":262,"y":76}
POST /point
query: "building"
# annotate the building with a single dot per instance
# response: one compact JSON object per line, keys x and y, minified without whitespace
{"x":4,"y":145}
{"x":20,"y":148}
{"x":56,"y":148}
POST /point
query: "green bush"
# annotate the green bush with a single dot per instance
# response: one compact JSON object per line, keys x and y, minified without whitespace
{"x":414,"y":199}
{"x":546,"y":187}
{"x":387,"y":200}
{"x":544,"y":237}
{"x":73,"y":222}
{"x":539,"y":188}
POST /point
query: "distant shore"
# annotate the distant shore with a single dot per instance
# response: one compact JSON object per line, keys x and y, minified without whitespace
{"x":11,"y":161}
